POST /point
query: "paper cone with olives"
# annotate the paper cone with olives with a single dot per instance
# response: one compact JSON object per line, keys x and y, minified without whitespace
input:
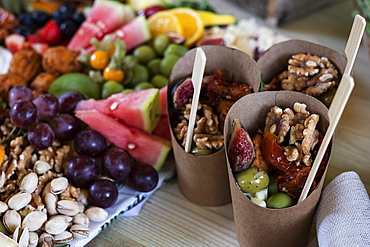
{"x":229,"y":75}
{"x":271,"y":141}
{"x":302,"y":66}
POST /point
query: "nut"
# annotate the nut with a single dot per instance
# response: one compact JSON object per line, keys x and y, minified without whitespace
{"x":81,"y":219}
{"x":3,"y":207}
{"x":51,"y":203}
{"x":63,"y":239}
{"x":96,"y":213}
{"x":2,"y":179}
{"x":29,"y":182}
{"x":68,"y":207}
{"x":79,"y":231}
{"x":34,"y":220}
{"x":34,"y":239}
{"x":11,"y":220}
{"x":19,"y":200}
{"x":46,"y":240}
{"x":58,"y":185}
{"x":41,"y":167}
{"x":21,"y":236}
{"x":56,"y":224}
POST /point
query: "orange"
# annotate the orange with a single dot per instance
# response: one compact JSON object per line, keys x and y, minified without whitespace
{"x":191,"y":23}
{"x":163,"y":22}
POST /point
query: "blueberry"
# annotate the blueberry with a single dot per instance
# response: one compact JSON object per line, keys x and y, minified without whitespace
{"x":40,"y":17}
{"x":25,"y":30}
{"x":68,"y":28}
{"x":78,"y":18}
{"x":25,"y":19}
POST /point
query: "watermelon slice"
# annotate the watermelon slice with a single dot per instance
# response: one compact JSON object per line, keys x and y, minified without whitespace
{"x":163,"y":129}
{"x":139,"y":109}
{"x":143,"y":147}
{"x":163,"y":99}
{"x":105,"y":17}
{"x":134,"y":33}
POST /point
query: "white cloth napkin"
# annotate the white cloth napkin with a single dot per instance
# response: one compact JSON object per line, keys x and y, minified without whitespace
{"x":343,"y":214}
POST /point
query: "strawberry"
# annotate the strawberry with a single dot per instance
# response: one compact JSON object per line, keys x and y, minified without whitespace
{"x":51,"y":33}
{"x":35,"y":38}
{"x":14,"y":42}
{"x":40,"y":48}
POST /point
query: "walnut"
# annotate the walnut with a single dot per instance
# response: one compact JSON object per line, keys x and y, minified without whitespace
{"x":199,"y":128}
{"x":26,"y":157}
{"x":259,"y":161}
{"x":181,"y":129}
{"x":44,"y":179}
{"x":278,"y":123}
{"x":304,"y":64}
{"x":310,"y":133}
{"x":61,"y":158}
{"x":323,"y":84}
{"x":296,"y":133}
{"x":294,"y":82}
{"x":36,"y":202}
{"x":71,"y":193}
{"x":292,"y":153}
{"x":211,"y":126}
{"x":208,"y":141}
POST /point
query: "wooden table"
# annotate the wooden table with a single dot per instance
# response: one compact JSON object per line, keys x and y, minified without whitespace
{"x":168,"y":219}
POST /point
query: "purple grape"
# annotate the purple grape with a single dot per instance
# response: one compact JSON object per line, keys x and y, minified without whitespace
{"x":91,"y":143}
{"x":143,"y":178}
{"x":68,"y":101}
{"x":82,"y":171}
{"x":23,"y":113}
{"x":18,"y":93}
{"x":40,"y":135}
{"x":103,"y":193}
{"x":47,"y":106}
{"x":65,"y":127}
{"x":117,"y":164}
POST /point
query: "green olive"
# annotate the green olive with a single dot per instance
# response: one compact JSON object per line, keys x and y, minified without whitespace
{"x":252,"y":180}
{"x":143,"y":85}
{"x":144,"y":54}
{"x":201,"y":151}
{"x":159,"y":81}
{"x":109,"y":88}
{"x":273,"y":185}
{"x":279,"y":200}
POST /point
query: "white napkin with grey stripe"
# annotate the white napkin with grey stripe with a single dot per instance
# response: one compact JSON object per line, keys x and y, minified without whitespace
{"x":343,"y":214}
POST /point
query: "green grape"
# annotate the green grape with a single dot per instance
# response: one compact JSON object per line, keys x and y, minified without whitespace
{"x":159,"y":81}
{"x":109,"y":88}
{"x":143,"y":85}
{"x":279,"y":200}
{"x":128,"y":90}
{"x":140,"y":74}
{"x":129,"y":75}
{"x":160,"y":43}
{"x":252,"y":180}
{"x":175,"y":49}
{"x":153,"y":66}
{"x":201,"y":151}
{"x":273,"y":185}
{"x":167,"y":63}
{"x":144,"y":54}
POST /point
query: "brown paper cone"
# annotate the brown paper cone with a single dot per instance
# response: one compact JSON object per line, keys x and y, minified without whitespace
{"x":255,"y":225}
{"x":203,"y":180}
{"x":275,"y":60}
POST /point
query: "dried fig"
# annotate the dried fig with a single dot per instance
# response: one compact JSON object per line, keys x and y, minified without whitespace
{"x":240,"y":150}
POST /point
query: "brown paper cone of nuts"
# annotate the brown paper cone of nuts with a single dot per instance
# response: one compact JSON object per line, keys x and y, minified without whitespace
{"x":275,"y":60}
{"x":256,"y":225}
{"x":203,"y":180}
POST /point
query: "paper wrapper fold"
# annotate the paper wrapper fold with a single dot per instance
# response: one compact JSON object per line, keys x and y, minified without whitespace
{"x":255,"y":225}
{"x":203,"y":180}
{"x":275,"y":60}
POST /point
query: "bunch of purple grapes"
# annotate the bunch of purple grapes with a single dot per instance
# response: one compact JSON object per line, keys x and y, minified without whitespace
{"x":46,"y":117}
{"x":117,"y":166}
